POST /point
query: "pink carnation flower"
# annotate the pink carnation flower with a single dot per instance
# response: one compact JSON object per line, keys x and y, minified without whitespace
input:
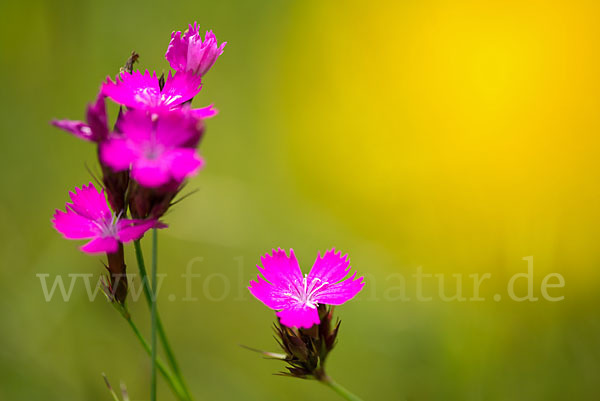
{"x":297,"y":297}
{"x":142,"y":91}
{"x":96,"y":128}
{"x":88,"y":217}
{"x":191,"y":53}
{"x":157,"y":147}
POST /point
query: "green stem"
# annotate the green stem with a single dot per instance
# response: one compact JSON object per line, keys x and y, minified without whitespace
{"x":153,"y":314}
{"x":163,"y":369}
{"x":112,"y":392}
{"x":161,"y":331}
{"x":328,"y":381}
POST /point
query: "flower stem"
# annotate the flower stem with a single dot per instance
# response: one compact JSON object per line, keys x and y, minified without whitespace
{"x":153,"y":313}
{"x":328,"y":381}
{"x":161,"y":331}
{"x":163,"y":369}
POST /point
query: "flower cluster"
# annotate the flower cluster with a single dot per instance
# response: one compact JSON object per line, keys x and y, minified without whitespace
{"x":146,"y":156}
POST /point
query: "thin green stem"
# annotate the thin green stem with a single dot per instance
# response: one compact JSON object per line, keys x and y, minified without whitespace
{"x":161,"y":331}
{"x":328,"y":381}
{"x":163,"y":369}
{"x":110,"y":389}
{"x":153,"y":314}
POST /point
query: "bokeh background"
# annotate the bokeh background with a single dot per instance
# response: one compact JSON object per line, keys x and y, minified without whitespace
{"x":460,"y":136}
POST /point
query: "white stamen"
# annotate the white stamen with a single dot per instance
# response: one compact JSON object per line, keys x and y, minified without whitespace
{"x":109,"y":227}
{"x":303,"y":294}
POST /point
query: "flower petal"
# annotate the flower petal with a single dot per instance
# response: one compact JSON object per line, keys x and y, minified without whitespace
{"x":90,"y":203}
{"x":300,"y":316}
{"x":180,"y":88}
{"x":77,"y":128}
{"x":135,"y":90}
{"x":330,"y":268}
{"x":337,"y":294}
{"x":281,"y":270}
{"x":327,"y":278}
{"x":73,"y":226}
{"x":273,"y":297}
{"x":117,"y":153}
{"x":204,"y":112}
{"x":178,"y":128}
{"x":151,"y":173}
{"x":202,"y":55}
{"x":101,"y":245}
{"x":177,"y":51}
{"x":280,"y":287}
{"x":97,"y":119}
{"x":184,"y":163}
{"x":130,"y":230}
{"x":137,"y":125}
{"x":190,"y":53}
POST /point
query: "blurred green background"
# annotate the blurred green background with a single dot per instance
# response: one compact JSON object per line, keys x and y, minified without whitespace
{"x":457,"y":136}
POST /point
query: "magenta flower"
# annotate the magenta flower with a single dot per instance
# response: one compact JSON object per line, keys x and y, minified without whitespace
{"x":96,"y":128}
{"x":88,"y":217}
{"x":142,"y":91}
{"x":190,"y":53}
{"x":297,"y":297}
{"x":158,"y":148}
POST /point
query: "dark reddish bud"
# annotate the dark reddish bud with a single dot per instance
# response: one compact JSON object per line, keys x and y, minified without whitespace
{"x":151,"y":202}
{"x":116,"y":187}
{"x":199,"y":129}
{"x":161,"y":81}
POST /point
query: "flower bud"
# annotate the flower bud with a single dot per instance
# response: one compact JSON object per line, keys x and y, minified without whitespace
{"x":188,"y":52}
{"x":307,"y":349}
{"x":151,"y":202}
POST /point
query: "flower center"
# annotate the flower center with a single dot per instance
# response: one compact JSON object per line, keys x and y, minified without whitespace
{"x":305,"y":293}
{"x":153,"y":150}
{"x":148,"y":96}
{"x":109,"y":226}
{"x":152,"y":154}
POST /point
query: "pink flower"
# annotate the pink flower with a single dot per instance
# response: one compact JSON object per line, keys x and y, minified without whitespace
{"x":158,"y":147}
{"x":142,"y":91}
{"x":88,"y":217}
{"x":96,"y":129}
{"x":190,"y":53}
{"x":297,"y":297}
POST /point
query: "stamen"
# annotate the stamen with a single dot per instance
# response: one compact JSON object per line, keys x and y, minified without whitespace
{"x":305,"y":282}
{"x":108,"y":227}
{"x":147,"y":95}
{"x":170,"y":99}
{"x":314,"y":289}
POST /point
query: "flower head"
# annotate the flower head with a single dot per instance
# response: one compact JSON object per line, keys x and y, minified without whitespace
{"x":191,"y":53}
{"x":297,"y":297}
{"x":143,"y":91}
{"x":158,"y":147}
{"x":96,"y":128}
{"x":89,"y":217}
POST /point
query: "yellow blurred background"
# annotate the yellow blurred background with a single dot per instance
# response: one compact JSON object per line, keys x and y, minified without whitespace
{"x":459,"y":136}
